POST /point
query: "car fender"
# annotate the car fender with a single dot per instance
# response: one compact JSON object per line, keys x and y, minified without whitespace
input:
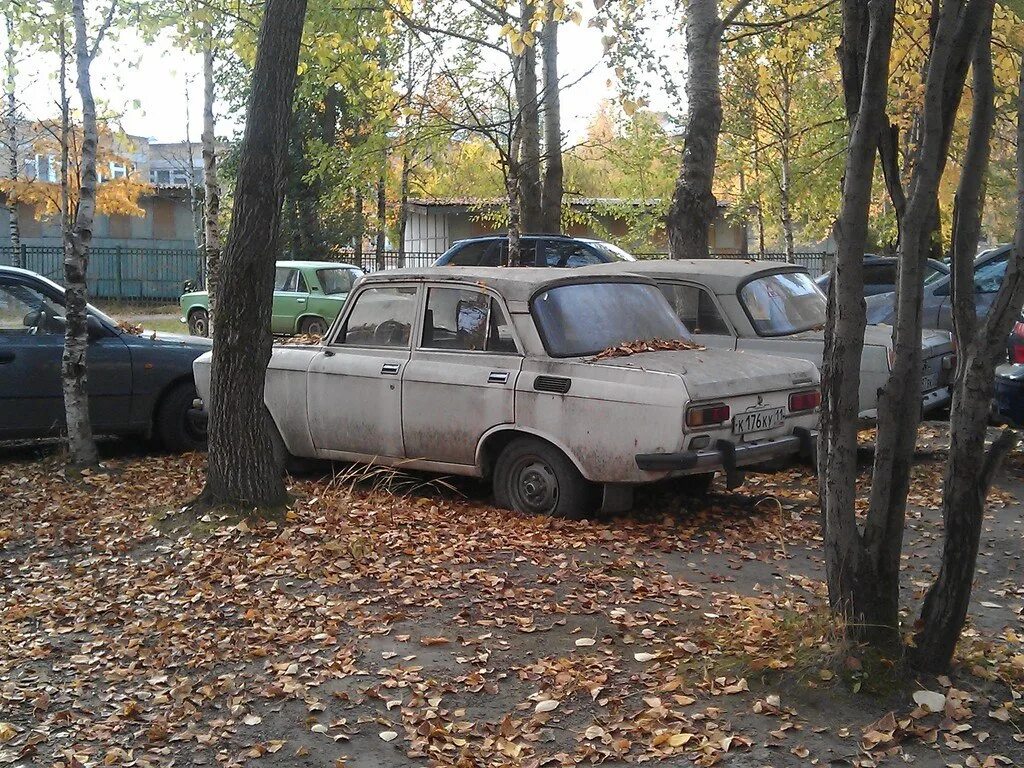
{"x":304,"y":315}
{"x":516,"y":429}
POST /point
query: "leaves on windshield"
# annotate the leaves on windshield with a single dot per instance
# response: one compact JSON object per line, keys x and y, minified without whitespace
{"x":645,"y":345}
{"x":132,"y":329}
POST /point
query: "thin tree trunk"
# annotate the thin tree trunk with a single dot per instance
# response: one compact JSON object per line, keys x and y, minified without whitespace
{"x":403,"y":207}
{"x":382,"y":211}
{"x":969,"y":469}
{"x":193,"y":198}
{"x":241,"y":470}
{"x":211,"y":188}
{"x":360,"y":229}
{"x":864,"y":55}
{"x":529,"y":131}
{"x":81,"y":446}
{"x":12,"y":141}
{"x":512,"y":188}
{"x":878,"y":579}
{"x":551,"y":192}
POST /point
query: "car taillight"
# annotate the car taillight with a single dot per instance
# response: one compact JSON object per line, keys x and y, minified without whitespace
{"x":707,"y":415}
{"x":804,"y":401}
{"x":1017,"y":343}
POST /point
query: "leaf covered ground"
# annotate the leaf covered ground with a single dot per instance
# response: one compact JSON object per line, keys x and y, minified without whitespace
{"x":428,"y":628}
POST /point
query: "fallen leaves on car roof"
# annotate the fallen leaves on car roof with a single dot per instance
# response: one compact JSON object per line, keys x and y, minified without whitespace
{"x":646,"y":345}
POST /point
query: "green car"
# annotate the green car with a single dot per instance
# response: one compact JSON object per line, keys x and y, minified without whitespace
{"x":307,"y":297}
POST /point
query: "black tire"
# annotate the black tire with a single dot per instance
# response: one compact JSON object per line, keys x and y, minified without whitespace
{"x":695,"y":485}
{"x":199,"y":322}
{"x":176,"y":431}
{"x":533,"y":477}
{"x":313,"y":326}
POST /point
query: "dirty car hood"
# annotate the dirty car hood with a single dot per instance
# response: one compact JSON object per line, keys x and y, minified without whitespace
{"x":713,"y":374}
{"x":177,"y":339}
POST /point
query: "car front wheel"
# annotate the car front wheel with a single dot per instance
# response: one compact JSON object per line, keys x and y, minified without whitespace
{"x":536,"y":478}
{"x":199,"y":322}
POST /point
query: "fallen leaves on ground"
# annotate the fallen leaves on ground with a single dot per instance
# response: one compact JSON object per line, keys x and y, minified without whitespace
{"x":431,"y":626}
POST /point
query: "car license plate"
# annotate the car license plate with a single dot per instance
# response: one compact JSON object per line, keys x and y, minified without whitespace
{"x":928,"y":383}
{"x":758,"y":421}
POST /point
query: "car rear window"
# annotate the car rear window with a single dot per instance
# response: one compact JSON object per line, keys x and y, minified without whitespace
{"x":587,"y":318}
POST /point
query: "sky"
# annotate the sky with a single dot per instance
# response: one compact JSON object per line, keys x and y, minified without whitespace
{"x":158,"y":90}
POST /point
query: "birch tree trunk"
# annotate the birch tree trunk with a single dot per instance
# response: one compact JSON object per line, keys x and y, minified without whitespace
{"x":551,"y":191}
{"x":864,"y":57}
{"x":11,"y":127}
{"x":211,"y":187}
{"x":241,"y":471}
{"x":969,"y":468}
{"x":694,"y":205}
{"x":360,"y":227}
{"x":403,"y":205}
{"x":81,"y":446}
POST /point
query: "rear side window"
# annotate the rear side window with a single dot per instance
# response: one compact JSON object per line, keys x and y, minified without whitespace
{"x":989,"y":277}
{"x":880,"y":274}
{"x":475,"y":254}
{"x":696,"y":308}
{"x":381,"y":317}
{"x":565,"y":253}
{"x":283,"y":277}
{"x":467,"y":320}
{"x":527,"y":253}
{"x":335,"y":281}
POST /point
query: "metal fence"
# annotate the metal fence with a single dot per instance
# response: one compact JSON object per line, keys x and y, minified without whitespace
{"x":157,"y":274}
{"x":131,"y":274}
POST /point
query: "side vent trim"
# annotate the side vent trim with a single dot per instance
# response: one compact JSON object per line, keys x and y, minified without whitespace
{"x":555,"y":384}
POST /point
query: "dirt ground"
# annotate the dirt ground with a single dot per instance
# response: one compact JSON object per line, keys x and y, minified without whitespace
{"x":373,"y":630}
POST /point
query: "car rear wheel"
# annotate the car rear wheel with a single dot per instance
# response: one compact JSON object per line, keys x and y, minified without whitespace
{"x":313,"y":326}
{"x":175,"y":427}
{"x":199,"y":322}
{"x":536,"y":478}
{"x":695,"y":485}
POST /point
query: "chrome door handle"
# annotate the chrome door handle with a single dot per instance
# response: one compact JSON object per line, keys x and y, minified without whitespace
{"x":302,"y":301}
{"x":497,"y":377}
{"x":390,"y":369}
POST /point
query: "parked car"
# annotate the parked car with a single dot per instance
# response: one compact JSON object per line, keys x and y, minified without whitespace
{"x":1008,"y":397}
{"x":776,"y":308}
{"x":503,"y":373}
{"x":937,"y":308}
{"x":1015,"y":343}
{"x":880,"y":274}
{"x":534,"y":251}
{"x":138,"y":383}
{"x":307,"y":297}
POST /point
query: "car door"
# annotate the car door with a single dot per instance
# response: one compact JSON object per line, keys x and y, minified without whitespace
{"x":700,"y":312}
{"x":460,"y":381}
{"x":354,"y":386}
{"x":31,"y":344}
{"x":290,"y":297}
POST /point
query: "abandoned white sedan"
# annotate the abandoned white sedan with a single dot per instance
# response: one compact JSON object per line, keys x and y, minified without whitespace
{"x":555,"y":386}
{"x":776,"y":308}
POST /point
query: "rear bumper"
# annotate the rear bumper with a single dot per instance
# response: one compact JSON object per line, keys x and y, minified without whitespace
{"x":937,"y":398}
{"x":728,"y":456}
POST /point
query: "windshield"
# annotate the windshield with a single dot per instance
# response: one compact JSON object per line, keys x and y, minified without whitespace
{"x":609,"y":251}
{"x":783,"y":303}
{"x":588,"y":318}
{"x":335,"y":281}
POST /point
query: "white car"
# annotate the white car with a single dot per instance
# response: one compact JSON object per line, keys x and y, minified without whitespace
{"x":506,"y":373}
{"x":776,"y":308}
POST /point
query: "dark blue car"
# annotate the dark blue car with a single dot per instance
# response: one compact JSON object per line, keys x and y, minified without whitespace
{"x":534,"y":251}
{"x":137,"y":384}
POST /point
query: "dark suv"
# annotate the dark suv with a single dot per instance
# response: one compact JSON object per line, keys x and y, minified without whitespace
{"x":535,"y":251}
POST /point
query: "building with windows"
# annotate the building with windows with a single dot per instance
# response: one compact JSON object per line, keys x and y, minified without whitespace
{"x":175,"y":171}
